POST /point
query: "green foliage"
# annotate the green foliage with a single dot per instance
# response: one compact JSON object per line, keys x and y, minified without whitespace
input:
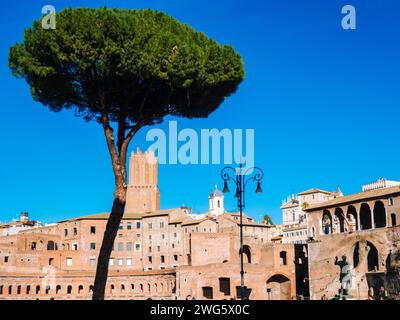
{"x":136,"y":65}
{"x":305,"y":205}
{"x":268,"y":219}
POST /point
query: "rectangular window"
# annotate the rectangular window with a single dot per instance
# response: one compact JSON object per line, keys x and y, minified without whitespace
{"x":75,"y":231}
{"x":92,"y":246}
{"x":128,"y":261}
{"x":391,"y":201}
{"x":138,"y":225}
{"x":129,"y":246}
{"x":121,"y":227}
{"x":158,"y":248}
{"x":137,"y":246}
{"x":92,"y":230}
{"x":175,"y":257}
{"x":225,"y":286}
{"x":129,"y":226}
{"x":162,"y":259}
{"x":120,"y":235}
{"x":175,"y":235}
{"x":92,"y":262}
{"x":66,"y":232}
{"x":75,"y":247}
{"x":69,"y":262}
{"x":111,"y":262}
{"x":150,"y":226}
{"x":150,"y":249}
{"x":120,"y":246}
{"x":6,"y":259}
{"x":161,"y":225}
{"x":150,"y":259}
{"x":120,"y":262}
{"x":208,"y":292}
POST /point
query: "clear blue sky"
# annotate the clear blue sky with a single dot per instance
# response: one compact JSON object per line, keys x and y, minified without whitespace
{"x":324,"y":103}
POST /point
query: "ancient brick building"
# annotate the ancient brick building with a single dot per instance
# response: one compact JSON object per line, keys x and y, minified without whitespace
{"x":157,"y":253}
{"x":362,"y":229}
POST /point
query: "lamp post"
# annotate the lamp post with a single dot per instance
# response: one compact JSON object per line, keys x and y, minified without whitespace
{"x":241,"y":176}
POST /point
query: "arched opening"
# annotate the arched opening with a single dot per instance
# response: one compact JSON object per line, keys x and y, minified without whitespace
{"x":47,"y":290}
{"x":1,"y":289}
{"x":80,"y":289}
{"x":19,"y":290}
{"x":28,"y":289}
{"x":112,"y":288}
{"x":352,"y":218}
{"x":356,"y":255}
{"x":283,"y":258}
{"x":365,"y":217}
{"x":373,"y":259}
{"x":278,"y":288}
{"x":338,"y":225}
{"x":69,"y":289}
{"x":393,"y":220}
{"x":148,"y":288}
{"x":51,"y":246}
{"x":379,"y":214}
{"x":326,"y":222}
{"x":141,"y":288}
{"x":132,"y":287}
{"x":155,"y":288}
{"x":122,"y":288}
{"x":37,"y":289}
{"x":246,"y":254}
{"x":9,"y":290}
{"x":58,"y":289}
{"x":91,"y":289}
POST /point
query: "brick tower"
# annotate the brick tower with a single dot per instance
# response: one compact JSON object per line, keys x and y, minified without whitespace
{"x":143,"y":194}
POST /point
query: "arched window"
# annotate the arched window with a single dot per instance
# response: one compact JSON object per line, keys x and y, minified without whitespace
{"x":122,"y":288}
{"x":340,"y":219}
{"x":19,"y":290}
{"x":283,"y":258}
{"x":91,"y":289}
{"x":37,"y":289}
{"x":352,"y":218}
{"x":141,"y":287}
{"x":58,"y":289}
{"x":373,"y":257}
{"x":69,"y":289}
{"x":1,"y":289}
{"x":48,"y":289}
{"x":393,"y":219}
{"x":80,"y":289}
{"x":379,"y":214}
{"x":246,"y":254}
{"x":28,"y":289}
{"x":326,"y":222}
{"x":9,"y":289}
{"x":365,"y":217}
{"x":219,"y":204}
{"x":33,"y":246}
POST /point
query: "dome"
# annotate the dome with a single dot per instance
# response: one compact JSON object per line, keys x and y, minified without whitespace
{"x":216,"y":193}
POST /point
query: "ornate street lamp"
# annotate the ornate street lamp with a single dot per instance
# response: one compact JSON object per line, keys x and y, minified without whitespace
{"x":241,"y":176}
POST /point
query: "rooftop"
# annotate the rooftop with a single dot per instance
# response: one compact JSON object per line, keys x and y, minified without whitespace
{"x":356,"y":197}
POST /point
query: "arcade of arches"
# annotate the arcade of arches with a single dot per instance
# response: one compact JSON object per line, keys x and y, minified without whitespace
{"x":116,"y":289}
{"x":350,"y":219}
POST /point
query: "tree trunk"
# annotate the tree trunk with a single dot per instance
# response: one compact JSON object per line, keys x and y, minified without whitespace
{"x":110,"y":234}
